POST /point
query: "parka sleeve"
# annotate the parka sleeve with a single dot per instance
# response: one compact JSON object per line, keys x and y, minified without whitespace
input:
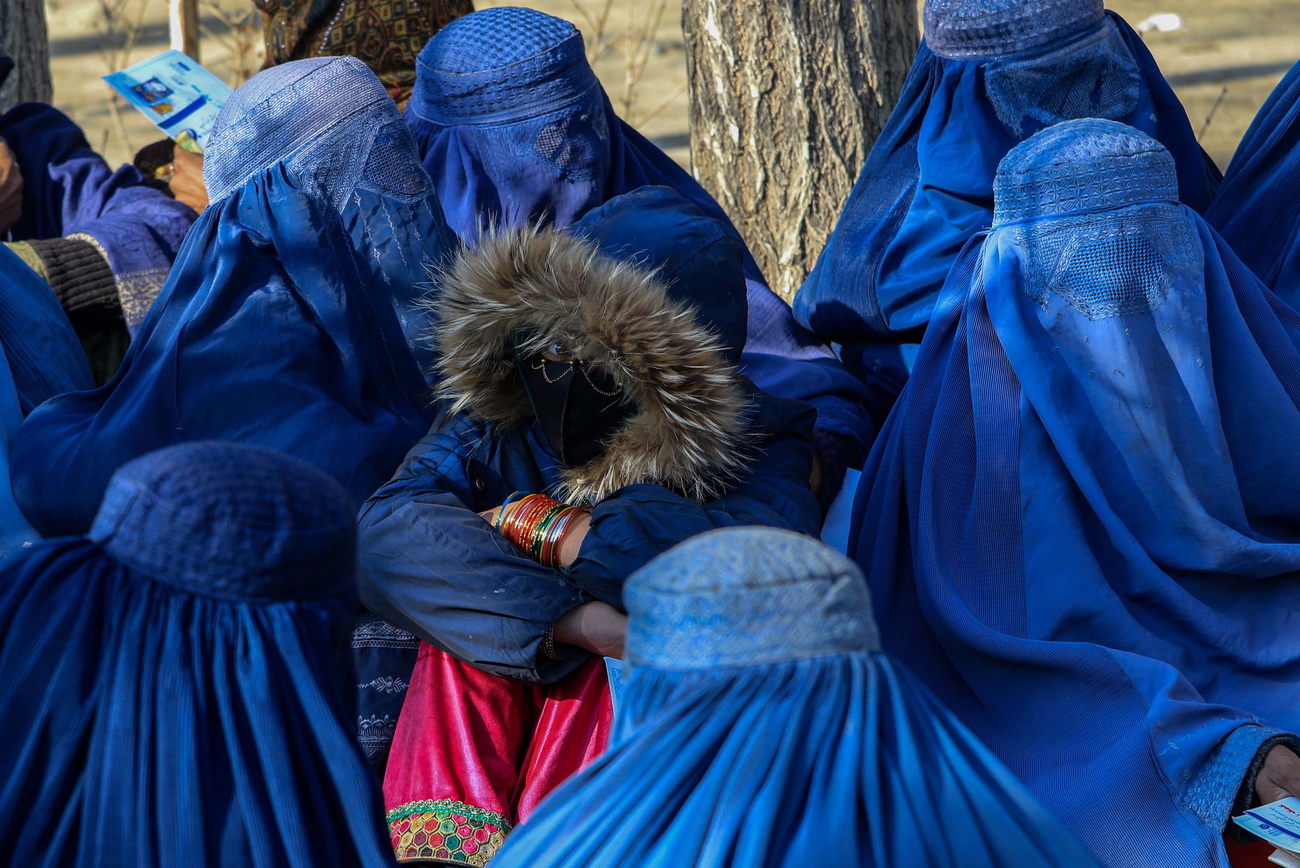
{"x":428,"y":563}
{"x":635,"y":523}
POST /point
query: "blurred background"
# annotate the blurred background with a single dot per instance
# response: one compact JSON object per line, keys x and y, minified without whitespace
{"x":1222,"y":57}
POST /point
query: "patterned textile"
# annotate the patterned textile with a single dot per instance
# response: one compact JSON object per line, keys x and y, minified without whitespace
{"x":446,"y":829}
{"x":384,"y":656}
{"x":386,"y":35}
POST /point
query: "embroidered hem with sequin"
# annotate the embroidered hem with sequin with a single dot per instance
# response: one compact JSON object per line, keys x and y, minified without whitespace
{"x":447,"y":830}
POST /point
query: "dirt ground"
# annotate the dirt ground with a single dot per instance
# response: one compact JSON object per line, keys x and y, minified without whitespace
{"x":1222,"y":61}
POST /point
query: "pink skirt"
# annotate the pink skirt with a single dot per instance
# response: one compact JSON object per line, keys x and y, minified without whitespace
{"x":474,"y":753}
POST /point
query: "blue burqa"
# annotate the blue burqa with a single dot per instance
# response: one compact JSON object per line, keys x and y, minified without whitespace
{"x":280,"y":324}
{"x":68,"y":190}
{"x":175,"y":688}
{"x":1078,"y":516}
{"x":989,"y":74}
{"x":40,"y":357}
{"x":514,"y":127}
{"x":761,"y":728}
{"x":1257,"y":208}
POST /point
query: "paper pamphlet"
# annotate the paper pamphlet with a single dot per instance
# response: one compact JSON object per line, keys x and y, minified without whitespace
{"x":614,"y":669}
{"x":1278,"y":823}
{"x":179,"y":96}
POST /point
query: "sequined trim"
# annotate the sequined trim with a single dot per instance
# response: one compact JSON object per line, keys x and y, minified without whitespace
{"x":446,"y":829}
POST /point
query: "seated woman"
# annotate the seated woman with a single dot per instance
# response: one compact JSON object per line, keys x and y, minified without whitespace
{"x":515,"y":128}
{"x":104,"y":240}
{"x":40,"y":357}
{"x":761,"y":724}
{"x":1080,"y":516}
{"x":594,"y":417}
{"x":283,"y":324}
{"x":989,"y":74}
{"x":1257,"y":208}
{"x":174,"y":688}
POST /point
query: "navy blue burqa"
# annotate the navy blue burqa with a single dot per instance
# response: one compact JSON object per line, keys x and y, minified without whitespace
{"x":760,"y":727}
{"x":989,"y":74}
{"x":514,"y":127}
{"x":175,"y":688}
{"x":1078,"y":517}
{"x":1257,"y":208}
{"x":40,"y":357}
{"x":282,"y":321}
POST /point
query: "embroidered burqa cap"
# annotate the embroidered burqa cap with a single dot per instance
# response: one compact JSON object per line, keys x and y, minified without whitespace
{"x":514,"y":128}
{"x":204,"y":700}
{"x":1076,"y":513}
{"x":759,"y":724}
{"x":989,"y":74}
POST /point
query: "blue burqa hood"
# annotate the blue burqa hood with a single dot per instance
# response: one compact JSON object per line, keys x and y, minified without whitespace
{"x":1077,"y":516}
{"x":514,"y":128}
{"x":290,"y":317}
{"x":176,"y":689}
{"x":760,"y":723}
{"x":989,"y":74}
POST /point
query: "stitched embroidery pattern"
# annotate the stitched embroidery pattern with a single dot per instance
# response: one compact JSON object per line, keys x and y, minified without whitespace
{"x":446,"y":829}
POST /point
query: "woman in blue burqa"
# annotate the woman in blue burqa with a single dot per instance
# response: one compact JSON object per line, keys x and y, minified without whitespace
{"x":104,"y":240}
{"x":514,"y":128}
{"x":175,"y":687}
{"x":595,"y":416}
{"x":40,"y":357}
{"x":1257,"y":208}
{"x":761,"y":726}
{"x":285,"y":322}
{"x":1078,"y":517}
{"x":988,"y":74}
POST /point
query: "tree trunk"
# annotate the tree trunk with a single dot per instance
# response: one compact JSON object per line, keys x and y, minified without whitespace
{"x":25,"y":40}
{"x":786,"y":98}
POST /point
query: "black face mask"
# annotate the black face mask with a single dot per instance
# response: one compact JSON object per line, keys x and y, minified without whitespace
{"x":577,"y":407}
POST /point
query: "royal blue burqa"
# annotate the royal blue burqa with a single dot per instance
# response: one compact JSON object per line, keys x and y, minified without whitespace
{"x":1078,"y":518}
{"x":988,"y":75}
{"x":1257,"y":208}
{"x":40,"y":357}
{"x":514,"y":127}
{"x":68,"y":190}
{"x":762,"y":728}
{"x":279,"y":325}
{"x":175,"y":688}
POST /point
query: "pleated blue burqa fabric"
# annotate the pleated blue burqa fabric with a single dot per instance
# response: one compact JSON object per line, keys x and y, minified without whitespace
{"x":1257,"y":208}
{"x":989,"y":73}
{"x":514,"y":127}
{"x":175,"y":688}
{"x":40,"y":357}
{"x":289,"y":318}
{"x":761,"y":726}
{"x":1078,"y":517}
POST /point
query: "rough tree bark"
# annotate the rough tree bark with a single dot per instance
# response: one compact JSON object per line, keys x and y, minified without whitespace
{"x":25,"y":40}
{"x":786,"y":97}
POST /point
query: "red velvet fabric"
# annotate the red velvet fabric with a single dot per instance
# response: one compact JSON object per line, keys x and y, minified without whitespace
{"x":474,"y":753}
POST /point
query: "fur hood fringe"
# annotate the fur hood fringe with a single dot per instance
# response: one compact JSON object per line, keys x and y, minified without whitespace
{"x":688,"y":432}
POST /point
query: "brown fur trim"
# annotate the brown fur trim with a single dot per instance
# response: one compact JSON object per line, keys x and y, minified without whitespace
{"x":688,"y":433}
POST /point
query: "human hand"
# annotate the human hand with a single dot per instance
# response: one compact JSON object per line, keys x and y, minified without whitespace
{"x":11,"y":188}
{"x":1280,"y":775}
{"x":187,"y":179}
{"x":598,"y":627}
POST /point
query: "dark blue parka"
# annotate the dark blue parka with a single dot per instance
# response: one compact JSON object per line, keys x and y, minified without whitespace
{"x":703,"y":449}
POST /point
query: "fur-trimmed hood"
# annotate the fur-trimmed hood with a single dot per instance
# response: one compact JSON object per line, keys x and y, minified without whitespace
{"x":549,"y":286}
